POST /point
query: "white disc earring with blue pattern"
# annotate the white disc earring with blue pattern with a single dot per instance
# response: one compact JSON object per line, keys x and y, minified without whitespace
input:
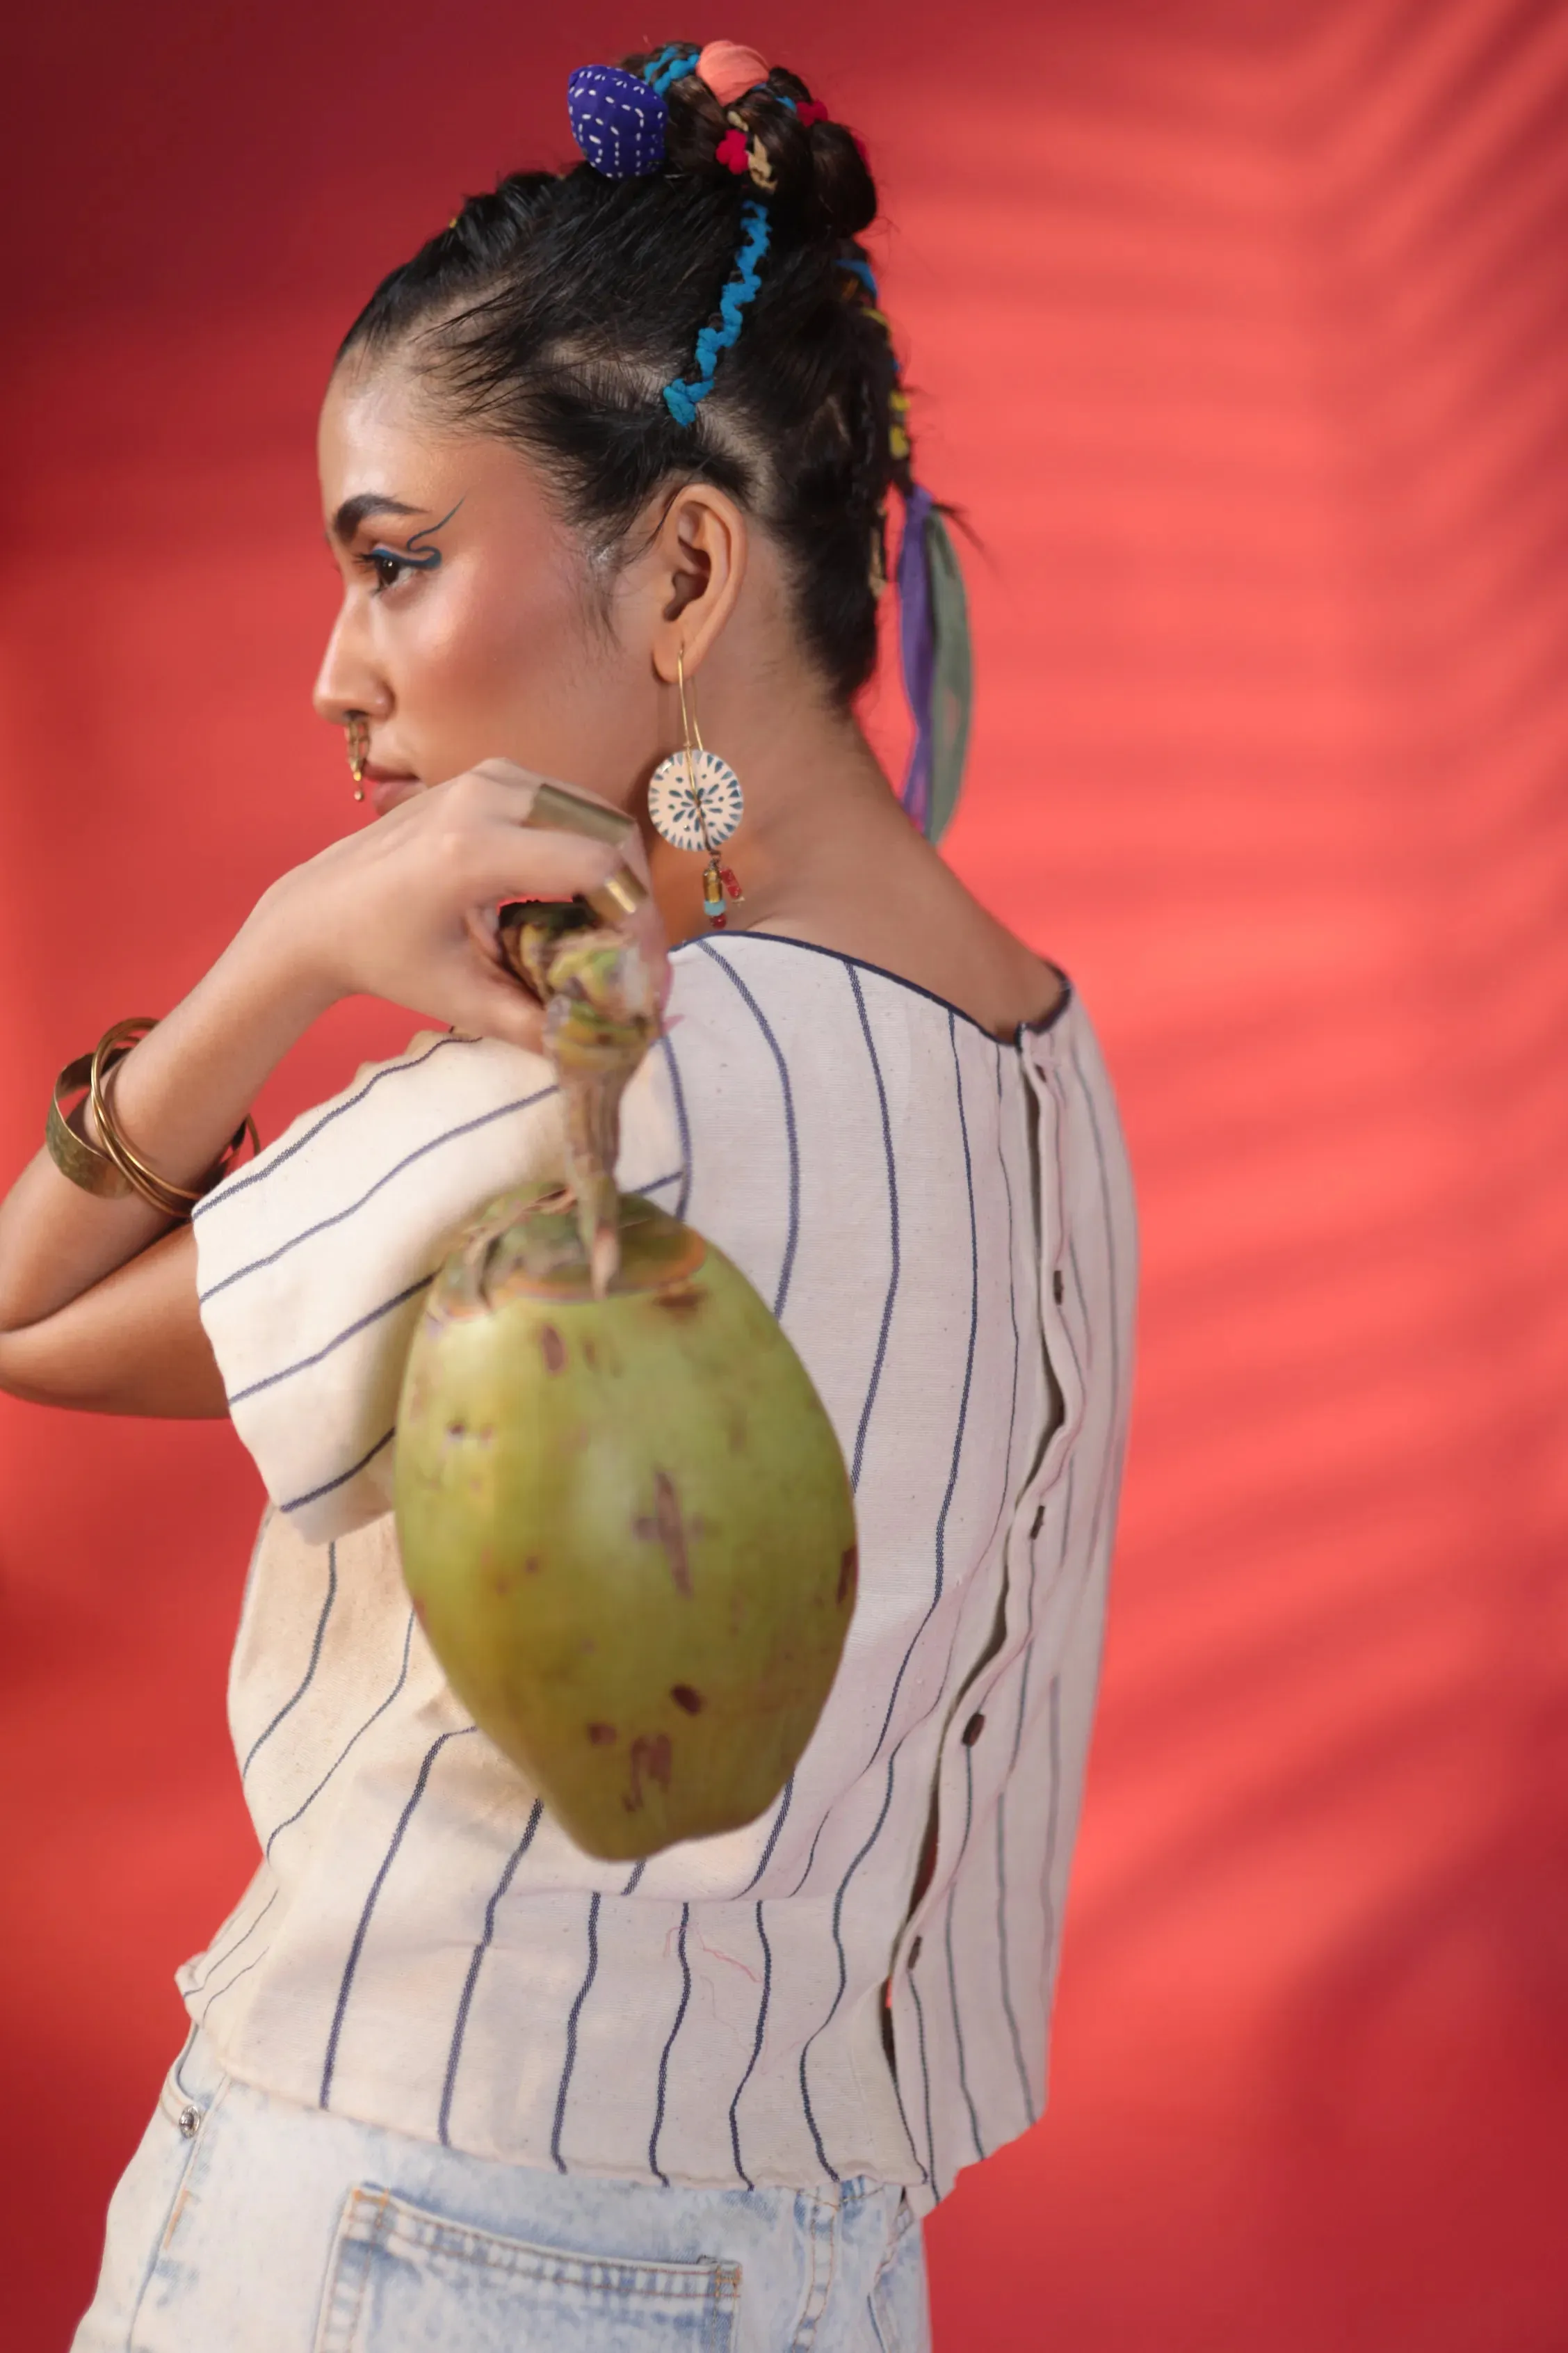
{"x":696,"y":803}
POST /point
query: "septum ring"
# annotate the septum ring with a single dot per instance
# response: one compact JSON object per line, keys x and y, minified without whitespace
{"x":357,"y":729}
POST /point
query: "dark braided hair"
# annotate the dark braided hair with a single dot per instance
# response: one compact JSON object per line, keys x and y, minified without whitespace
{"x":553,"y":313}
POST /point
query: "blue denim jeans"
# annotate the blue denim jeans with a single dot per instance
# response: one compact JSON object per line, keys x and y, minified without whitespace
{"x":246,"y":2224}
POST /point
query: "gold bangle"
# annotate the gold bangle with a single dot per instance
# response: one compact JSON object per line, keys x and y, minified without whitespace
{"x":89,"y":1169}
{"x":112,"y":1169}
{"x":171,"y":1200}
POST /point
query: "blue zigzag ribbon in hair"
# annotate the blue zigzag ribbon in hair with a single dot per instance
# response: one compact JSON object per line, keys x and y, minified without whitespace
{"x":681,"y":396}
{"x":670,"y":65}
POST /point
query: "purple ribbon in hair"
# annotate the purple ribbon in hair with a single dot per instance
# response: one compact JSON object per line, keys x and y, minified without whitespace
{"x":917,"y":644}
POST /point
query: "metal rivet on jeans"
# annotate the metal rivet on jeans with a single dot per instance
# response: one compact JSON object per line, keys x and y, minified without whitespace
{"x":190,"y":2121}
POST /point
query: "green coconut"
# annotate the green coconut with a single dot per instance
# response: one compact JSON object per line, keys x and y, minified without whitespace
{"x":624,"y":1514}
{"x":624,"y":1522}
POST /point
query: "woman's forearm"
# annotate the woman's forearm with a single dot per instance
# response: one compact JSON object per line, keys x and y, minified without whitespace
{"x":404,"y":910}
{"x":131,"y":1344}
{"x":178,"y":1096}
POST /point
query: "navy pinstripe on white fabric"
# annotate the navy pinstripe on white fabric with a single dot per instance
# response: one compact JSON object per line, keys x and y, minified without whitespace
{"x":653,"y":2164}
{"x":931,"y":1611}
{"x":792,"y":1232}
{"x":756,"y":2049}
{"x":570,"y":2063}
{"x":781,"y":1815}
{"x":677,"y":1096}
{"x":902,"y":1186}
{"x":947,"y":1940}
{"x":344,"y":1753}
{"x":290,"y":1705}
{"x":362,"y":1931}
{"x":875,"y":1382}
{"x":399,"y":1167}
{"x":249,"y":1178}
{"x":220,"y":1960}
{"x":476,"y":1961}
{"x":342,"y":1479}
{"x":218,"y":1992}
{"x":329,"y":1348}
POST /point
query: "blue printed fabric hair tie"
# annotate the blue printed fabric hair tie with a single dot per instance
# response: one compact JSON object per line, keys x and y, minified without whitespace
{"x":617,"y":121}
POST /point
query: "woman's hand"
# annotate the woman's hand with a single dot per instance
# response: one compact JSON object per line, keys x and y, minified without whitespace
{"x":406,"y":909}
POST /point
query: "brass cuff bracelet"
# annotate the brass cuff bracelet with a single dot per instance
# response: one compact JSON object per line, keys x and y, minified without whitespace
{"x":556,"y":808}
{"x":111,"y":1168}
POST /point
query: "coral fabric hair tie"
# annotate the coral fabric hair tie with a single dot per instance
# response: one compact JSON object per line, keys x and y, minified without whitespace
{"x":730,"y":69}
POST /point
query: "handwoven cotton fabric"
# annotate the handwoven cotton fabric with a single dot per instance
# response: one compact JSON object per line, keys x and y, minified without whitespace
{"x":945,"y":1224}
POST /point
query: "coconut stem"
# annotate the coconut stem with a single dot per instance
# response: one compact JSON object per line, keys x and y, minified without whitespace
{"x":601,"y":1017}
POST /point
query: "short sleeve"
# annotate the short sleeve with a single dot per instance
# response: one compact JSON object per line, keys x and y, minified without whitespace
{"x":313,"y":1260}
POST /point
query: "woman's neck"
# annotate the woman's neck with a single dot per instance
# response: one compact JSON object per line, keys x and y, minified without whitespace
{"x":825,"y":853}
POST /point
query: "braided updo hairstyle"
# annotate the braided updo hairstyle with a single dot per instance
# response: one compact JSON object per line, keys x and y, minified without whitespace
{"x":554,"y":311}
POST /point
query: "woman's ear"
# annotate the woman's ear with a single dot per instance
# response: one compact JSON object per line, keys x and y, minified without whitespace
{"x":698,"y":561}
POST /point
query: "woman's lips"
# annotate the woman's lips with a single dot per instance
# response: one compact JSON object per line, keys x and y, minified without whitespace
{"x":388,"y":787}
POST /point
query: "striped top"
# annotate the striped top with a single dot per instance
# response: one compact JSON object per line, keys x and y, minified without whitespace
{"x":945,"y":1224}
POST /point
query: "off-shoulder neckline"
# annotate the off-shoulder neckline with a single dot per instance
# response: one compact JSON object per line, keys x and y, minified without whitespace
{"x":862,"y":964}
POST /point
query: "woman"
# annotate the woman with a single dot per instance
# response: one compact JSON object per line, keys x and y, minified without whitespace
{"x":615,"y":444}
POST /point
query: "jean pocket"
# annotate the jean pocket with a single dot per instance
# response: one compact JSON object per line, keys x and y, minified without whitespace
{"x":401,"y":2276}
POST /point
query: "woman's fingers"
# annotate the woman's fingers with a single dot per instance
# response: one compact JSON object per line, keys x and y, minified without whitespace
{"x":494,"y":1004}
{"x":406,"y":910}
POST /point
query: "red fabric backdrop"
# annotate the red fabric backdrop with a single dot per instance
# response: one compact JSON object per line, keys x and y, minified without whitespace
{"x":1244,"y":336}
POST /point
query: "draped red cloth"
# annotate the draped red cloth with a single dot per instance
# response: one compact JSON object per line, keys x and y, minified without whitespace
{"x":1245,"y":344}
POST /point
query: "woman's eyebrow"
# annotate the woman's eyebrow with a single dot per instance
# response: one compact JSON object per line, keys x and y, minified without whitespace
{"x":362,"y":506}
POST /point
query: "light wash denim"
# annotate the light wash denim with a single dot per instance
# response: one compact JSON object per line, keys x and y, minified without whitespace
{"x":247,"y":2224}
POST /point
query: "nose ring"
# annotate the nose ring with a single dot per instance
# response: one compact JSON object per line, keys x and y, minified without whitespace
{"x":357,"y":729}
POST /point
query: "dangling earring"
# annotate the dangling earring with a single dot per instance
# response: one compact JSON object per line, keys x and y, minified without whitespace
{"x":695,"y":802}
{"x":357,"y":728}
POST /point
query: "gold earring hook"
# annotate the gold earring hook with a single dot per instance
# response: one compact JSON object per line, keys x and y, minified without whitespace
{"x":691,"y":734}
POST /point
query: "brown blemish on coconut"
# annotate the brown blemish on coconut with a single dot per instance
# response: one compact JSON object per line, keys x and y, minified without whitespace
{"x":684,"y":1697}
{"x":650,"y":1756}
{"x":602,"y":1734}
{"x":681,"y":1303}
{"x":667,"y":1528}
{"x":532,"y":1565}
{"x":848,"y":1568}
{"x":553,"y":1347}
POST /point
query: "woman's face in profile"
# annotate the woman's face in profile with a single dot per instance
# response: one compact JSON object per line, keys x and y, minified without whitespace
{"x":467,"y":628}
